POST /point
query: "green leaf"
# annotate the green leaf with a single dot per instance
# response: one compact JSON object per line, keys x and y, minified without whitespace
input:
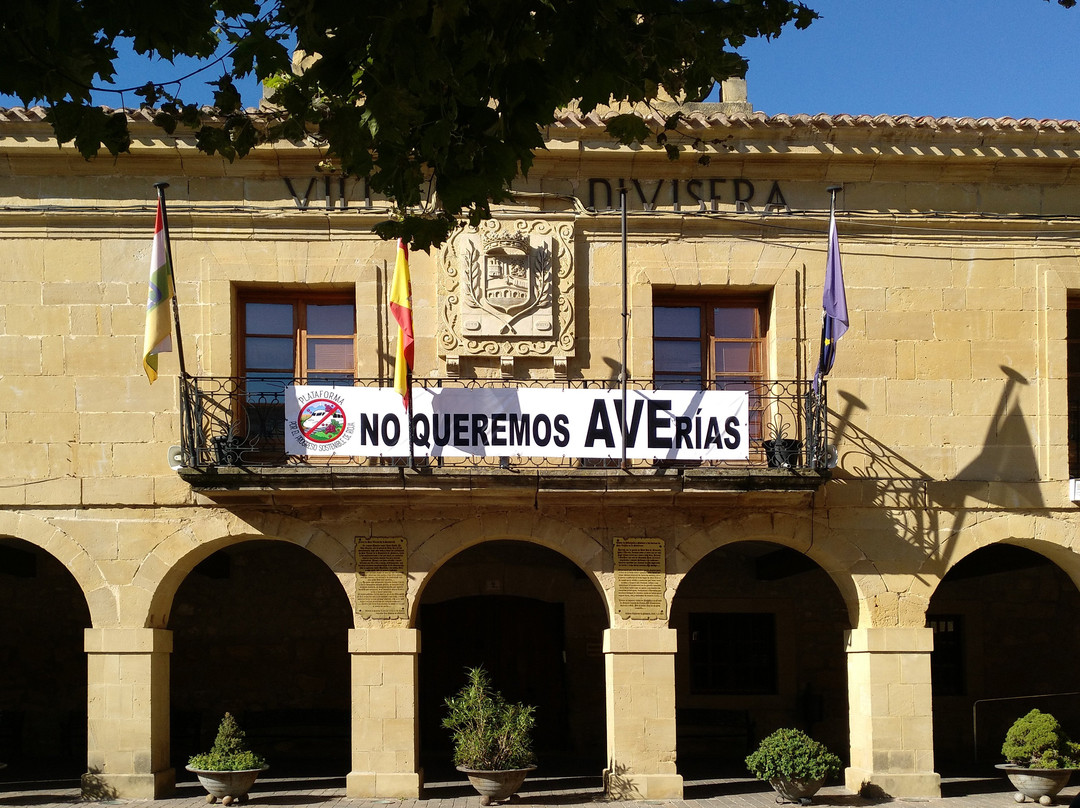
{"x":628,"y":129}
{"x":226,"y":97}
{"x":91,"y":128}
{"x":166,"y":122}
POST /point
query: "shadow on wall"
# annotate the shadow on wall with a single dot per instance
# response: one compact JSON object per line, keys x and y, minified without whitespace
{"x":997,"y":475}
{"x":95,"y":789}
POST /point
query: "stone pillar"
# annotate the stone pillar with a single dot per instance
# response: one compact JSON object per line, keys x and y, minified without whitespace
{"x":890,"y":710}
{"x":385,"y":726}
{"x":640,"y":673}
{"x":128,"y":713}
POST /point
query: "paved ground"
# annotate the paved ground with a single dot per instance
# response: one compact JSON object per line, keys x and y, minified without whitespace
{"x":329,"y":792}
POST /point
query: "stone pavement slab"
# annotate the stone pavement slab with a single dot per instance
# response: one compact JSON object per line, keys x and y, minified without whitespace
{"x":566,"y":792}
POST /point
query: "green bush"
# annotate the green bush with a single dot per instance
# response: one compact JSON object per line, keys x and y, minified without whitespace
{"x":228,"y":753}
{"x":489,"y":734}
{"x":1037,"y":741}
{"x":792,"y":754}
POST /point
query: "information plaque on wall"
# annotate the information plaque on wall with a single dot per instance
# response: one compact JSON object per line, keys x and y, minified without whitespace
{"x":382,"y":577}
{"x":639,"y":579}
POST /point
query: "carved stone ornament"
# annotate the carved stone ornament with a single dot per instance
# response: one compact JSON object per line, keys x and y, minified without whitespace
{"x":507,"y":289}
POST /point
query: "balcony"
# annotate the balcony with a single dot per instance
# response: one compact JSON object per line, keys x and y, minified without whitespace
{"x":235,"y":440}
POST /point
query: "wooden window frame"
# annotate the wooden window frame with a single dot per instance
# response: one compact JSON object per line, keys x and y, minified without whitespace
{"x":1072,"y":381}
{"x":947,"y":664}
{"x":706,"y":305}
{"x":257,"y":433}
{"x":300,"y":299}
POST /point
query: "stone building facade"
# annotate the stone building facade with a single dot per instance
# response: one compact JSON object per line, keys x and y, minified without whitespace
{"x":901,"y":593}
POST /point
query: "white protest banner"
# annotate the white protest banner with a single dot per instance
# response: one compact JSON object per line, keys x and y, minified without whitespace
{"x":517,"y":422}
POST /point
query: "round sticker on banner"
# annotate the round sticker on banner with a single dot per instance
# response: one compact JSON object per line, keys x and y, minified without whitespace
{"x":321,"y":421}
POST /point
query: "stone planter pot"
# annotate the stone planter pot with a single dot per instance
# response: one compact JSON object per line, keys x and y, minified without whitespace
{"x":796,"y":789}
{"x":1036,"y":784}
{"x":495,"y":786}
{"x":228,"y":787}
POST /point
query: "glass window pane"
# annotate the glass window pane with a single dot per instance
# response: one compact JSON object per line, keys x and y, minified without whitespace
{"x":331,"y":379}
{"x":268,"y":318}
{"x":329,"y":354}
{"x":736,"y":384}
{"x":269,"y":352}
{"x":673,"y":381}
{"x":734,"y":323}
{"x":677,"y":321}
{"x":336,"y":319}
{"x":684,"y":357}
{"x":265,"y":387}
{"x":736,"y":357}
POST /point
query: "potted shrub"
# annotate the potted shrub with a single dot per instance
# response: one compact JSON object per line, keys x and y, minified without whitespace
{"x":492,"y":738}
{"x":794,"y":764}
{"x":781,"y":451}
{"x":1041,"y":757}
{"x":229,"y":769}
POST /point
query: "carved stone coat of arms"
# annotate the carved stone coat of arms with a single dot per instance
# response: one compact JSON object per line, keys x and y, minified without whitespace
{"x":506,"y":289}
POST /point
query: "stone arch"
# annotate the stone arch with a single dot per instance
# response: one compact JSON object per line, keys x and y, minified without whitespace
{"x":100,"y":597}
{"x":1050,"y":538}
{"x":582,"y":549}
{"x":44,"y":618}
{"x":785,"y":529}
{"x":261,"y":630}
{"x":1003,"y":612}
{"x":478,"y":592}
{"x":164,"y":569}
{"x":761,"y":625}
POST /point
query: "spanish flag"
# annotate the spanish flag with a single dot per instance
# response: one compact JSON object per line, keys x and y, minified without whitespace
{"x":401,"y":308}
{"x":157,"y":337}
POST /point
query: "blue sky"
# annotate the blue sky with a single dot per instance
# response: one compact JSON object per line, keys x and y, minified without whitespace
{"x":978,"y":58}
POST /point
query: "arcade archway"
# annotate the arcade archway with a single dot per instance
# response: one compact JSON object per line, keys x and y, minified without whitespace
{"x":761,"y":646}
{"x":1006,"y":639}
{"x":536,"y":622}
{"x":260,"y":629}
{"x":43,"y":674}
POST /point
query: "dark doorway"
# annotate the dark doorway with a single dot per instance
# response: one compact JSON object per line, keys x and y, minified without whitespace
{"x":538,"y":631}
{"x":261,"y":631}
{"x":761,"y":646}
{"x":43,"y":614}
{"x":489,"y":632}
{"x":1006,"y":636}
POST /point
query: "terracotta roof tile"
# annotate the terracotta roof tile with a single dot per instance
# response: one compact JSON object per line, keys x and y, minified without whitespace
{"x":698,"y":118}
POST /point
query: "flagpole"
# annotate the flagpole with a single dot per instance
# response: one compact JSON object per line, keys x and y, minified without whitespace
{"x":623,"y":375}
{"x":409,"y":416}
{"x":161,"y":186}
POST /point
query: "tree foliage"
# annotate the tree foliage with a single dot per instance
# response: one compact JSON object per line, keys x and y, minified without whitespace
{"x":440,"y":103}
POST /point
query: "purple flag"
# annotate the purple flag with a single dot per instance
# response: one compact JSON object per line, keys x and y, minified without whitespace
{"x":834,"y":301}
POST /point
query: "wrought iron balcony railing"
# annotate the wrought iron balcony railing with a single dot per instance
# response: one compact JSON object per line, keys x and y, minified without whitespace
{"x":241,"y":422}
